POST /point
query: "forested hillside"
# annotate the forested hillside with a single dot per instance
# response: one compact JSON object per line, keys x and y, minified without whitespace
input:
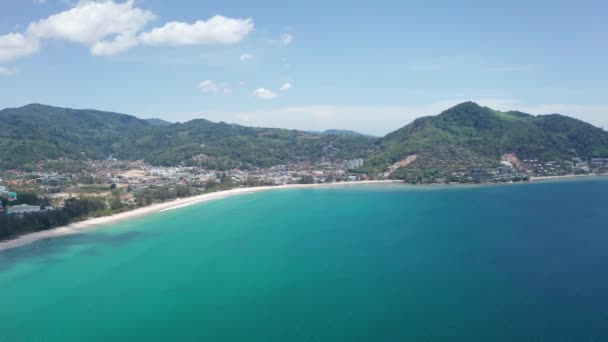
{"x":488,"y":133}
{"x":37,"y":132}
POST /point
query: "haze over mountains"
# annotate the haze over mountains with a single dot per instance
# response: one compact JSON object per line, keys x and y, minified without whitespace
{"x":37,"y":132}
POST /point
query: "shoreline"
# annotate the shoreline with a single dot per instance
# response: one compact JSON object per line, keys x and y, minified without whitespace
{"x":543,"y":178}
{"x":100,"y":222}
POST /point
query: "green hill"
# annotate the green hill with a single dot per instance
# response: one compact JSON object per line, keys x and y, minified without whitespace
{"x":465,"y":134}
{"x":343,"y":132}
{"x":224,"y":145}
{"x":157,"y":122}
{"x":37,"y":132}
{"x":488,"y":134}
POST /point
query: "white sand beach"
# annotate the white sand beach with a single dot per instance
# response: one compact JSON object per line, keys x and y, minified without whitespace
{"x":533,"y":179}
{"x":100,"y":222}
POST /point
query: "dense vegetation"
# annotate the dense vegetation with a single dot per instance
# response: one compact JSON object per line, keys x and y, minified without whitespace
{"x":80,"y":208}
{"x":461,"y":137}
{"x":221,"y":145}
{"x":340,"y":132}
{"x":35,"y":132}
{"x":75,"y":209}
{"x":157,"y":122}
{"x":489,"y":134}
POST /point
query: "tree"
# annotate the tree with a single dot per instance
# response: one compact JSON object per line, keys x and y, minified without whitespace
{"x":307,"y":179}
{"x":116,"y":204}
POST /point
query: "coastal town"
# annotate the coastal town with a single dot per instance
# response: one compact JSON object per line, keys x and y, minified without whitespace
{"x":124,"y":185}
{"x":131,"y":184}
{"x":319,"y":171}
{"x":121,"y":163}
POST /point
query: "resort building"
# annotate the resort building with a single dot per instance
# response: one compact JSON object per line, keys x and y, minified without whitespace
{"x":24,"y":209}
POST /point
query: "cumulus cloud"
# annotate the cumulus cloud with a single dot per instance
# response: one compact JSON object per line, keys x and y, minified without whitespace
{"x":105,"y":27}
{"x":119,"y":44}
{"x":264,"y":94}
{"x":217,"y":30}
{"x":109,"y":27}
{"x":286,"y":39}
{"x":208,"y":86}
{"x":267,"y":94}
{"x":245,"y":57}
{"x":7,"y":71}
{"x":15,"y":45}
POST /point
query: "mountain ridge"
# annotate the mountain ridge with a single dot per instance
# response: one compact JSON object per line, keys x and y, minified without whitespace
{"x":158,"y":122}
{"x":37,"y":132}
{"x":489,"y":134}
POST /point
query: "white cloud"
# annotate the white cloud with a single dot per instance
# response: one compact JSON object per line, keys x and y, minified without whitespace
{"x":286,"y":39}
{"x":217,"y":30}
{"x":267,"y":94}
{"x":107,"y":27}
{"x":15,"y":45}
{"x":264,"y":94}
{"x":245,"y":57}
{"x":7,"y":71}
{"x":208,"y":86}
{"x":119,"y":44}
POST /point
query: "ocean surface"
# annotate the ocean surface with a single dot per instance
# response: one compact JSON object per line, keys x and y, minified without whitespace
{"x":522,"y":262}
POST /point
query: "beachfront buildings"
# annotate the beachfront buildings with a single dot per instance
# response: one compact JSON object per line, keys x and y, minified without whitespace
{"x":354,"y":163}
{"x":26,"y":209}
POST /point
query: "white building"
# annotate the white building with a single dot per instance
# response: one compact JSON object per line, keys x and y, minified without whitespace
{"x":23,"y":209}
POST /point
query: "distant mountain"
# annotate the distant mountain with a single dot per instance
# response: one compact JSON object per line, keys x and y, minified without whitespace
{"x":464,"y":132}
{"x":158,"y":122}
{"x":222,"y":145}
{"x":343,"y":132}
{"x":486,"y":133}
{"x":340,"y":132}
{"x":37,"y":132}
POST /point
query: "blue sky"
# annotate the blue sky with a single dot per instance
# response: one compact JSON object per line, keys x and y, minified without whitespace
{"x":370,"y":66}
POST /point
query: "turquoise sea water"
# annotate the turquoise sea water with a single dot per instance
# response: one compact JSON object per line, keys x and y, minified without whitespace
{"x":360,"y":263}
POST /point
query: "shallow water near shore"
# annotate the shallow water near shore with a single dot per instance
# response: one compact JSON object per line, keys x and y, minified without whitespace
{"x":368,"y":262}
